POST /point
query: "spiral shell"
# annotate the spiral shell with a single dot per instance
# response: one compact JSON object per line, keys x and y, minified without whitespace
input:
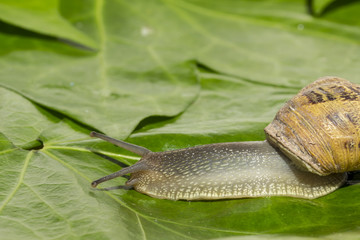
{"x":319,"y":128}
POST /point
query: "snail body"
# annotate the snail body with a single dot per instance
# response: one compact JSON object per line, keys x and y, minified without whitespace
{"x":313,"y":131}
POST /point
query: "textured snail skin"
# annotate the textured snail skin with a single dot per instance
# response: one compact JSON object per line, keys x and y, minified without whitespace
{"x":222,"y":171}
{"x":228,"y":170}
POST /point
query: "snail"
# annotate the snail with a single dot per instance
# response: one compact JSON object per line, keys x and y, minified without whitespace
{"x":313,"y":141}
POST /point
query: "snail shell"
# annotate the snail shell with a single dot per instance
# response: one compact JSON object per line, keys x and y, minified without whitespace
{"x":318,"y":131}
{"x":319,"y":128}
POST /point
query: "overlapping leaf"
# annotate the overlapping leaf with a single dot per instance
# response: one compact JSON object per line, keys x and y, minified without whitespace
{"x":223,"y":68}
{"x":35,"y":15}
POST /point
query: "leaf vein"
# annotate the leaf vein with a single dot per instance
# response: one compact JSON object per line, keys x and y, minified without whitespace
{"x":141,"y":226}
{"x":52,"y":208}
{"x":18,"y":184}
{"x":99,"y":8}
{"x":22,"y":224}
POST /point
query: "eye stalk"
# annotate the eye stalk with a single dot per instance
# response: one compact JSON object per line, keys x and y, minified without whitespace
{"x":140,"y":166}
{"x":141,"y":151}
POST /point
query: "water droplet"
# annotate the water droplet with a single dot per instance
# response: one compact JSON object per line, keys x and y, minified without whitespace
{"x":79,"y":24}
{"x":145,"y":31}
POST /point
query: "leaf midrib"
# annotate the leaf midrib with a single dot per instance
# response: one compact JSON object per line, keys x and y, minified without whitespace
{"x":19,"y":182}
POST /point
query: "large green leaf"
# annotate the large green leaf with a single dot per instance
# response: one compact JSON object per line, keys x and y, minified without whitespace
{"x":166,"y":74}
{"x":46,"y":194}
{"x":90,"y":87}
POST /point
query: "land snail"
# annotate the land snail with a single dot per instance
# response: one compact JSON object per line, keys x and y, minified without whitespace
{"x":313,"y":141}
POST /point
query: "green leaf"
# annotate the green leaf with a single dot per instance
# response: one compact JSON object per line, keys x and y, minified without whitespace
{"x":21,"y":121}
{"x":42,"y":17}
{"x":220,"y":110}
{"x":167,"y":74}
{"x":320,"y":6}
{"x":86,"y":88}
{"x":338,"y":11}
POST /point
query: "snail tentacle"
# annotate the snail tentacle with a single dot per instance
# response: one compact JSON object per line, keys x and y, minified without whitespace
{"x":128,"y":146}
{"x":139,"y":166}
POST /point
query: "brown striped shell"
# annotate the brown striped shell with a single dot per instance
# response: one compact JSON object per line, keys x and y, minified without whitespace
{"x":319,"y":128}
